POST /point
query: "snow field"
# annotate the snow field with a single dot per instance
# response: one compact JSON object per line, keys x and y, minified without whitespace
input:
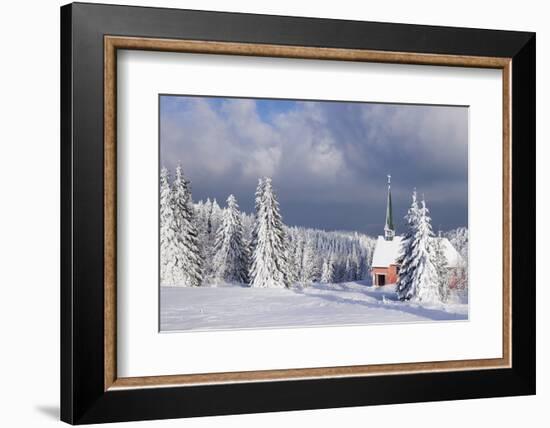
{"x":235,"y":306}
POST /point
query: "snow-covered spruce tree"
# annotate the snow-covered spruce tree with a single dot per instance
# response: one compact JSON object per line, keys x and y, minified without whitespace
{"x":338,"y":245}
{"x":253,"y":243}
{"x":406,"y":259}
{"x":288,"y":252}
{"x":327,"y":276}
{"x":189,"y":259}
{"x":257,"y":208}
{"x":370,"y":244}
{"x":201,"y":222}
{"x":299,"y":254}
{"x":215,"y":218}
{"x":168,"y":259}
{"x":310,"y":272}
{"x":425,"y":283}
{"x":269,"y":265}
{"x":230,"y":261}
{"x":363,"y":266}
{"x":208,"y":216}
{"x":354,"y":264}
{"x":442,"y":268}
{"x":247,"y":221}
{"x":324,"y":268}
{"x":292,"y":255}
{"x":348,"y":265}
{"x":339,"y":268}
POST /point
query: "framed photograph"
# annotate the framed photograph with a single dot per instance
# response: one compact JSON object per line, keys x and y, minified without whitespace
{"x":265,"y":213}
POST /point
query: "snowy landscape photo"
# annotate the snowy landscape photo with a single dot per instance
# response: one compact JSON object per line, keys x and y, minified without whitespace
{"x":277,"y":213}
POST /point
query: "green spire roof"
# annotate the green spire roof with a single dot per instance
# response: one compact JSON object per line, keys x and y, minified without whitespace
{"x":389,"y":212}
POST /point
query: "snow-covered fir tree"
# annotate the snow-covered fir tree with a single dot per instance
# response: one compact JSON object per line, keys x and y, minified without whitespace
{"x":258,"y":206}
{"x":309,"y":271}
{"x":349,"y":270}
{"x":407,"y":257}
{"x":208,"y":219}
{"x":168,"y":261}
{"x":350,"y":252}
{"x":442,"y":268}
{"x":189,"y":261}
{"x":424,"y":280}
{"x":304,"y":249}
{"x":247,"y":221}
{"x":216,"y":216}
{"x":269,"y":265}
{"x":294,"y":256}
{"x":354,"y":265}
{"x":327,"y":275}
{"x":201,"y":222}
{"x":230,"y":261}
{"x":338,"y":245}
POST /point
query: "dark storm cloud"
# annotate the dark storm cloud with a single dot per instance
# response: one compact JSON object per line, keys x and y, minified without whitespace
{"x":328,"y":160}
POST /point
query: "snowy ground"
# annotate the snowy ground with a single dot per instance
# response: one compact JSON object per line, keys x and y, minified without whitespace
{"x":239,"y":307}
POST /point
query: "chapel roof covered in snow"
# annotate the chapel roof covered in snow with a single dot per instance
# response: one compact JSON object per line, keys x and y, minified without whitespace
{"x":453,"y":257}
{"x":387,"y":252}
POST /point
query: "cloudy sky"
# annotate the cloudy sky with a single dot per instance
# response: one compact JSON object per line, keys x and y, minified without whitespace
{"x":328,"y":160}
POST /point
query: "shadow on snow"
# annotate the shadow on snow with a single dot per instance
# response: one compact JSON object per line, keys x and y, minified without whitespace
{"x":378,"y":298}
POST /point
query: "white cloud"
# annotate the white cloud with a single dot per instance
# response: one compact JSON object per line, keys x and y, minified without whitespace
{"x":321,"y":152}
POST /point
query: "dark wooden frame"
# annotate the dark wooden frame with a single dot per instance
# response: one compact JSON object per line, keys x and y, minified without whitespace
{"x":90,"y":34}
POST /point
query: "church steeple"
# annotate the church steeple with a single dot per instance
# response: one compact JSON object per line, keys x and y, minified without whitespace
{"x":389,"y":230}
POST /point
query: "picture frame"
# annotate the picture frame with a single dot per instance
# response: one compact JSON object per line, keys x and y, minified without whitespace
{"x":91,"y":35}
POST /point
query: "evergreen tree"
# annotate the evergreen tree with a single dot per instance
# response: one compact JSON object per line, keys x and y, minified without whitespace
{"x":442,"y":268}
{"x":299,"y":254}
{"x":362,"y":266}
{"x":258,"y":206}
{"x":309,"y":273}
{"x":201,"y":220}
{"x":168,"y":259}
{"x":188,"y":255}
{"x":215,"y":219}
{"x":347,"y":270}
{"x":269,"y":265}
{"x":247,"y":221}
{"x":424,"y":284}
{"x":339,"y":268}
{"x":294,"y":256}
{"x":406,"y":258}
{"x":327,"y":275}
{"x":208,"y":216}
{"x":337,"y":245}
{"x":231,"y":255}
